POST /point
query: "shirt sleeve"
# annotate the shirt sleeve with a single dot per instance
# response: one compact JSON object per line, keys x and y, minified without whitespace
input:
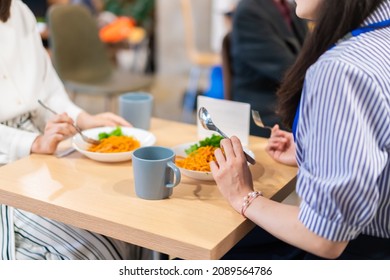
{"x":54,"y":92}
{"x":51,"y":89}
{"x":343,"y":117}
{"x":15,"y":142}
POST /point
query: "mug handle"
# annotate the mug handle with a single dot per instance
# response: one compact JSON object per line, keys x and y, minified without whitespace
{"x":177,"y":175}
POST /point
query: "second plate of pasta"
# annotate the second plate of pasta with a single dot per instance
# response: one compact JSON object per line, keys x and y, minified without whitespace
{"x":198,"y":161}
{"x":116,"y":150}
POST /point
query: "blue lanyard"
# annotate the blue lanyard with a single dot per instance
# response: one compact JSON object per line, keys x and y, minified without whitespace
{"x":353,"y":33}
{"x":295,"y":123}
{"x":370,"y":27}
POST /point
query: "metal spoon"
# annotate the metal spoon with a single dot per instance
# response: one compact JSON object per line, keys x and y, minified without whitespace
{"x":85,"y":138}
{"x":208,"y":124}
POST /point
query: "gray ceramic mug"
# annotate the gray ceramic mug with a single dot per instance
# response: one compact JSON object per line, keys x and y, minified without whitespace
{"x":136,"y":108}
{"x":155,"y":173}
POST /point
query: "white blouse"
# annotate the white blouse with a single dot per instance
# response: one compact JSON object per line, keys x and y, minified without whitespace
{"x":26,"y":75}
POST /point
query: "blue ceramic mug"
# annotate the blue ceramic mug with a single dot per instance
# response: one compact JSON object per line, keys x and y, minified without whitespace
{"x":155,"y":173}
{"x":136,"y":108}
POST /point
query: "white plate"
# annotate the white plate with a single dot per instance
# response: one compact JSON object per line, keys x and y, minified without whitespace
{"x":145,"y":137}
{"x":199,"y":175}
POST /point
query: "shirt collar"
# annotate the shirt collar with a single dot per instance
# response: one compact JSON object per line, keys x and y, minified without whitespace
{"x":382,"y":13}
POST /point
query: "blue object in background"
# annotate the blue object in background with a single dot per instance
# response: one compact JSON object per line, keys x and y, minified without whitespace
{"x":215,"y":89}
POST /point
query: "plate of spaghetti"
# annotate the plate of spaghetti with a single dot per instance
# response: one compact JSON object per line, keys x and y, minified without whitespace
{"x":196,"y":164}
{"x":194,"y":160}
{"x":117,"y":143}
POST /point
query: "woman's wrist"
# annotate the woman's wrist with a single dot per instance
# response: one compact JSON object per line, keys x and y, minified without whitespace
{"x":36,"y":145}
{"x":81,"y":120}
{"x":247,"y":201}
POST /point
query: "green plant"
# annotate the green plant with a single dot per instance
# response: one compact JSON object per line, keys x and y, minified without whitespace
{"x":140,"y":10}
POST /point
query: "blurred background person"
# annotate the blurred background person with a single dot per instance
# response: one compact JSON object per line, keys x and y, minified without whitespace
{"x":266,"y":37}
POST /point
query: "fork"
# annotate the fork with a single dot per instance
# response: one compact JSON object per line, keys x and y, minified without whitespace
{"x":84,"y":137}
{"x":256,"y":118}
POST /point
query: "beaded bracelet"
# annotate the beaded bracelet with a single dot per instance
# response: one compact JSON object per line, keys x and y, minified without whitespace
{"x":248,"y":199}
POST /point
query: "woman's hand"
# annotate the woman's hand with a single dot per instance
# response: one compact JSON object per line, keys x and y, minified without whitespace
{"x":281,"y":146}
{"x":85,"y":120}
{"x":56,"y":130}
{"x":231,"y":172}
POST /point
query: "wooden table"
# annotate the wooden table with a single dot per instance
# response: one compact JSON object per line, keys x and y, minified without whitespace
{"x":195,"y":223}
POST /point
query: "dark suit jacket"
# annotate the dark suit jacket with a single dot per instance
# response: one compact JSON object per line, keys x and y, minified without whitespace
{"x":262,"y":48}
{"x":38,"y":7}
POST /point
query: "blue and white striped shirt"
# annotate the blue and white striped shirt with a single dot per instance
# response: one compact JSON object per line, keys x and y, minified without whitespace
{"x":343,"y":138}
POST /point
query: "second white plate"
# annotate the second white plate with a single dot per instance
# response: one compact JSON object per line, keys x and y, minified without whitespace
{"x":146,"y":138}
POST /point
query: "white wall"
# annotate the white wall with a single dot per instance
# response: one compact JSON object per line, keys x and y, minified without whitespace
{"x":219,"y":27}
{"x":171,"y":52}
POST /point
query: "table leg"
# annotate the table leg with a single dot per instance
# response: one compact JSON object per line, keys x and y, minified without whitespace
{"x":160,"y":256}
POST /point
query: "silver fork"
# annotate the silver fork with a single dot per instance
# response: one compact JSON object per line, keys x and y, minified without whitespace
{"x":256,"y":118}
{"x":85,"y":138}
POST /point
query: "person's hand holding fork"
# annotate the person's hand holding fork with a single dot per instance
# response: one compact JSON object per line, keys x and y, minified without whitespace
{"x":56,"y":130}
{"x":61,"y":126}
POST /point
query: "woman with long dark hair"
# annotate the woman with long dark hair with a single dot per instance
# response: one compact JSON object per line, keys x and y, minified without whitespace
{"x":5,"y":9}
{"x":26,"y":75}
{"x":336,"y":99}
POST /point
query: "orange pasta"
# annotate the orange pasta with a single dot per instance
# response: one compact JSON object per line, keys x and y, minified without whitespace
{"x":116,"y":144}
{"x":198,"y":160}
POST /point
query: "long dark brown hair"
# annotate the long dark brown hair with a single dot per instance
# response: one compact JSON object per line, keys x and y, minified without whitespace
{"x":336,"y":19}
{"x":5,"y":9}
